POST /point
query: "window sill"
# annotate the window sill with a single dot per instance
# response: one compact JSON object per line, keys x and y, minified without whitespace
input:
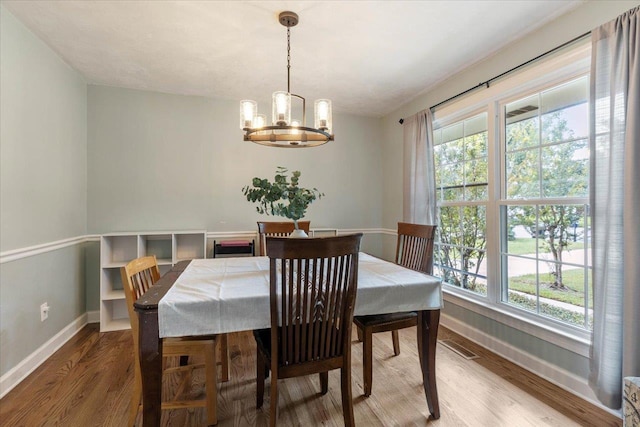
{"x":567,"y":337}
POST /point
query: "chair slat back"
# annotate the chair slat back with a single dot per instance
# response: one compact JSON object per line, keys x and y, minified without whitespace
{"x":313,"y":288}
{"x":278,"y":229}
{"x":414,"y":248}
{"x":138,"y":276}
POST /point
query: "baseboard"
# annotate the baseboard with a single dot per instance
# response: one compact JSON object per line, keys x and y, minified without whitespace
{"x":19,"y":372}
{"x":552,"y":373}
{"x":93,"y":316}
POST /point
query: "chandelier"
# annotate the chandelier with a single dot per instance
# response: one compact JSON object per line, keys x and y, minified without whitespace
{"x":283,"y":131}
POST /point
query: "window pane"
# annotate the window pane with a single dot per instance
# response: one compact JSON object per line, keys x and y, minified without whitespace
{"x":476,"y":144}
{"x":565,"y":169}
{"x":569,"y":123}
{"x":453,"y":132}
{"x":564,"y":111}
{"x":521,"y":230}
{"x":522,"y":122}
{"x":476,"y":171}
{"x":437,"y":156}
{"x":452,"y":151}
{"x":544,"y":250}
{"x":566,"y":303}
{"x":462,"y":247}
{"x":522,"y":175}
{"x":479,"y":192}
{"x":522,"y":282}
{"x":476,"y":180}
{"x":557,"y":225}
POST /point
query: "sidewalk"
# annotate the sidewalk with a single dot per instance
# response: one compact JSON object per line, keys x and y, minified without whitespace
{"x":520,"y":266}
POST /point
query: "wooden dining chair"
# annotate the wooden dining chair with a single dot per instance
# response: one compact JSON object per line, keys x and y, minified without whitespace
{"x":138,"y":276}
{"x":277,"y":229}
{"x":414,"y":250}
{"x":313,"y":288}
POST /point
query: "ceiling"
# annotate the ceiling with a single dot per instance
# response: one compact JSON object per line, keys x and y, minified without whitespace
{"x":368,"y":57}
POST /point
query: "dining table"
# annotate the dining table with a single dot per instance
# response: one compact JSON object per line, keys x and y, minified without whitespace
{"x":224,"y":295}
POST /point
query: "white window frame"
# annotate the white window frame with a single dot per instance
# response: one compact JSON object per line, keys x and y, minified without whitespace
{"x":457,"y":203}
{"x":573,"y":63}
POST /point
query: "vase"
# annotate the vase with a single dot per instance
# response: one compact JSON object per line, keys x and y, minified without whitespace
{"x":298,"y":234}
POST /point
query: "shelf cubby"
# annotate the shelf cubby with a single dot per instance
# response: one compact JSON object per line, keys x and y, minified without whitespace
{"x":117,"y":249}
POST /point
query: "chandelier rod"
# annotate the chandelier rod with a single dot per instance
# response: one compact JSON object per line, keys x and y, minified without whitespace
{"x":289,"y":59}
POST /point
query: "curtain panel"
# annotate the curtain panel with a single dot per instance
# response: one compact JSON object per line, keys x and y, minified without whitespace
{"x":419,"y":180}
{"x":614,"y":109}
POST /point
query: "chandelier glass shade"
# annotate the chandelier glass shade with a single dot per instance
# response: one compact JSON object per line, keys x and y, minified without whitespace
{"x":283,"y":131}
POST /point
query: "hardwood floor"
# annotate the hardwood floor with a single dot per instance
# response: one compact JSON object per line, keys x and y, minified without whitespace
{"x":89,"y":380}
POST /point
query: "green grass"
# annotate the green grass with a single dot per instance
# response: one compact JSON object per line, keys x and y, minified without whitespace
{"x":524,"y":246}
{"x":573,"y":280}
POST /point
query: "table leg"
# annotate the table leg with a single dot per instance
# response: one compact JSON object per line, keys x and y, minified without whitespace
{"x":150,"y":346}
{"x":428,"y":321}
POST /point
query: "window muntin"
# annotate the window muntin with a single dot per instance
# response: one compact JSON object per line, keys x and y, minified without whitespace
{"x":460,"y":154}
{"x":544,"y":220}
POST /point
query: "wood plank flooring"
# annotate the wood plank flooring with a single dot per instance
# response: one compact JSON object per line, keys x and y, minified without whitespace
{"x":89,"y":380}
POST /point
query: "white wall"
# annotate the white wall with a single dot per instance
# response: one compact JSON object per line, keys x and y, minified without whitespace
{"x":43,"y":182}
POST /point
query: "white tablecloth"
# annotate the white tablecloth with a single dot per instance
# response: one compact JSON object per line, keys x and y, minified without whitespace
{"x":232,"y":294}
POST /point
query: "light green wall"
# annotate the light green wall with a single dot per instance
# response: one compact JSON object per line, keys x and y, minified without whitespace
{"x":43,"y":180}
{"x":92,"y":275}
{"x":161,"y":162}
{"x":43,"y":109}
{"x":581,"y":20}
{"x":56,"y":277}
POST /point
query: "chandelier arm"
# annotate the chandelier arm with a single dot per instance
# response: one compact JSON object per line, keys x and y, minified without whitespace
{"x":304,"y":108}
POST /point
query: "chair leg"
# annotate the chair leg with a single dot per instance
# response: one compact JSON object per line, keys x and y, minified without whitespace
{"x":273,"y":408}
{"x":347,"y":402}
{"x":396,"y":342}
{"x":136,"y":396}
{"x":260,"y":377}
{"x":224,"y":357}
{"x":324,"y":382}
{"x":367,"y":360}
{"x":359,"y":333}
{"x":211,"y":383}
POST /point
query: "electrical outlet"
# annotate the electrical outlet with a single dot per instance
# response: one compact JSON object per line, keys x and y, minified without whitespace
{"x":44,"y":311}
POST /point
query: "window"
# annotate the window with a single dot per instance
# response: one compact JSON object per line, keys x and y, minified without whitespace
{"x":512,"y":190}
{"x":460,"y":155}
{"x":544,"y":213}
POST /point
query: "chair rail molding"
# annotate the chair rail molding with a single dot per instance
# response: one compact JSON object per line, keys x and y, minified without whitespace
{"x":20,"y":253}
{"x":341,"y":231}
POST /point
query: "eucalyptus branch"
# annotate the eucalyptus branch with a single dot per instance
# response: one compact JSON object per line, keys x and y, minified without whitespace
{"x":282,"y":197}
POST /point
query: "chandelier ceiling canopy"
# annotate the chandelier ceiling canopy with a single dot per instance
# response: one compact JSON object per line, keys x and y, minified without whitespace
{"x":283,"y":131}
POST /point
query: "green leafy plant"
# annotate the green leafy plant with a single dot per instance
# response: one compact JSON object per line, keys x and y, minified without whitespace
{"x":282,"y":197}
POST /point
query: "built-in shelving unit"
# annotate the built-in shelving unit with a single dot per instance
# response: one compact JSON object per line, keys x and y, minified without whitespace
{"x":117,"y":249}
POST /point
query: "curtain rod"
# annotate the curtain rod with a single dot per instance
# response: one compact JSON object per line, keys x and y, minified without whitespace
{"x":488,"y":82}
